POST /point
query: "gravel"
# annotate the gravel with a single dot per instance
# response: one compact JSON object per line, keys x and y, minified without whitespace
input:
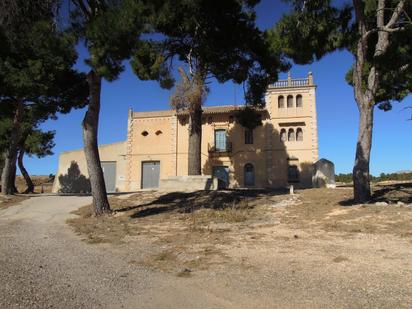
{"x":44,"y":265}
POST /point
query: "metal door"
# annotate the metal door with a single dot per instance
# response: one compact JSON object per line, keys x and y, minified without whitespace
{"x":222,"y":174}
{"x":150,"y":174}
{"x":249,"y":175}
{"x":109,"y":174}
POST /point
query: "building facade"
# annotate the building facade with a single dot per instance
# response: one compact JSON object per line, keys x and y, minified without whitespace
{"x":279,"y":152}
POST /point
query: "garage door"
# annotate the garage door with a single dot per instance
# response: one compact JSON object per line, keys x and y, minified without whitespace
{"x":109,"y":173}
{"x":150,"y":174}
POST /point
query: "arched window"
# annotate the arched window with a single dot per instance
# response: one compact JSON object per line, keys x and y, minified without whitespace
{"x":291,"y":135}
{"x":283,"y":135}
{"x":249,"y":175}
{"x":145,"y":133}
{"x":290,"y":101}
{"x":299,"y":135}
{"x":281,"y":102}
{"x":299,"y":102}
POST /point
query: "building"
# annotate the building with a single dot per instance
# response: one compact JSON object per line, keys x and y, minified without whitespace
{"x":278,"y":153}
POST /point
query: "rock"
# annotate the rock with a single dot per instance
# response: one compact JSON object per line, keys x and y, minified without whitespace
{"x":323,"y":174}
{"x":381,"y":204}
{"x":399,"y":203}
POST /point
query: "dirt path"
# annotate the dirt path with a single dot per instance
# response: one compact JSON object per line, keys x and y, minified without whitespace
{"x":43,"y":264}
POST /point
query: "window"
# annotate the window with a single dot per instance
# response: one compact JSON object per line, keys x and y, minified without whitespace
{"x":220,"y":140}
{"x":299,"y":102}
{"x":283,"y":135}
{"x":299,"y":135}
{"x":248,"y":136}
{"x":158,"y":132}
{"x":249,"y":175}
{"x":281,"y":102}
{"x":291,"y":135}
{"x":293,"y":173}
{"x":145,"y":133}
{"x":290,"y":101}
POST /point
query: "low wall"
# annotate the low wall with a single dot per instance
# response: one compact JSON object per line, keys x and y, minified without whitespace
{"x":188,"y":183}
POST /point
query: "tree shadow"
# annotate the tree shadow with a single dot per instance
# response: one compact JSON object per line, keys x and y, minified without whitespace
{"x":264,"y":163}
{"x":388,"y":193}
{"x":187,"y":202}
{"x":74,"y":181}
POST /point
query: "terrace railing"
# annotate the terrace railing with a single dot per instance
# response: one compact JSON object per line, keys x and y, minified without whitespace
{"x":294,"y":82}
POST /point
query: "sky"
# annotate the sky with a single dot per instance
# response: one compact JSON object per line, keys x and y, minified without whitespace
{"x":336,"y":108}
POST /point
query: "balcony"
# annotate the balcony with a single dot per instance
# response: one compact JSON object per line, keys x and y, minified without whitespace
{"x":294,"y":82}
{"x":219,"y":150}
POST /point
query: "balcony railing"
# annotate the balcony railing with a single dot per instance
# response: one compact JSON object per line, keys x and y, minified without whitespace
{"x":296,"y":82}
{"x":213,"y":149}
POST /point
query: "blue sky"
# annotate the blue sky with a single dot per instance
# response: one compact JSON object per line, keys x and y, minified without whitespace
{"x":337,"y":112}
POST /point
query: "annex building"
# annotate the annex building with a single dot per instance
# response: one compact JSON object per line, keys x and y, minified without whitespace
{"x":280,"y":152}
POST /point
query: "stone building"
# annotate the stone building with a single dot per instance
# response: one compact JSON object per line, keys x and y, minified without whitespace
{"x":279,"y":152}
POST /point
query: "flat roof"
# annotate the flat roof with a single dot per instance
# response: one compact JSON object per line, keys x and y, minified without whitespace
{"x":206,"y":110}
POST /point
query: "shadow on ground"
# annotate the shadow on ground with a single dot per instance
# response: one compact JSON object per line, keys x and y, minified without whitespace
{"x":187,"y":202}
{"x":389,"y":193}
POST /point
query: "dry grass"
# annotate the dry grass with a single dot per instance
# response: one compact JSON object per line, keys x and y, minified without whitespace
{"x":7,"y":201}
{"x":197,"y":211}
{"x":184,"y":232}
{"x":331,"y":210}
{"x":42,"y":184}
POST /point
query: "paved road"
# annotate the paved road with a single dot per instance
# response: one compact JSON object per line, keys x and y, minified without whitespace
{"x":44,"y":265}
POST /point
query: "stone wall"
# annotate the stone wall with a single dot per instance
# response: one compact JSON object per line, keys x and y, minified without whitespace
{"x":188,"y":183}
{"x":323,"y":174}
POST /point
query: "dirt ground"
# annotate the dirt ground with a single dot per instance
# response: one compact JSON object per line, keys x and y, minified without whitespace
{"x":259,"y":239}
{"x":42,"y":184}
{"x":7,"y":201}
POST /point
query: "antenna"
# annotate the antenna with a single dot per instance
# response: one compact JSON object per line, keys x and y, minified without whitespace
{"x":234,"y":94}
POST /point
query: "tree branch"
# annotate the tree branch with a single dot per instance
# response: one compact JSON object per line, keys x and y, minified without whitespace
{"x":380,"y":14}
{"x":396,"y":13}
{"x":85,"y":10}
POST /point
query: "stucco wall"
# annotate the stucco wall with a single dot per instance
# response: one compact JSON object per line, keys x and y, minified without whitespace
{"x":268,"y":154}
{"x":158,"y":145}
{"x":163,"y":136}
{"x":115,"y":152}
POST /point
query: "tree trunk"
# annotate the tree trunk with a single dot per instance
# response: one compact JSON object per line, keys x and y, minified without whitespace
{"x":9,"y":170}
{"x":195,"y":141}
{"x":90,"y":128}
{"x":14,"y":179}
{"x":361,"y":186}
{"x":29,"y":182}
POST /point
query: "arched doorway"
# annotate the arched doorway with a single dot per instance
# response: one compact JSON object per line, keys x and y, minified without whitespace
{"x":249,"y":175}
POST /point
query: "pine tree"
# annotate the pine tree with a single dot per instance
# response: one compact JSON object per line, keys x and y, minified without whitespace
{"x":218,"y":41}
{"x":36,"y":72}
{"x":378,"y":34}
